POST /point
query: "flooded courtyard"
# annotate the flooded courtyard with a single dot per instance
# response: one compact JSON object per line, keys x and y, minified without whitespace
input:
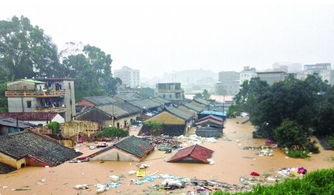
{"x":231,"y":162}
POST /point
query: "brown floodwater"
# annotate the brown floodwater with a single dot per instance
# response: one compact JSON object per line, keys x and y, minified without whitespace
{"x":231,"y":162}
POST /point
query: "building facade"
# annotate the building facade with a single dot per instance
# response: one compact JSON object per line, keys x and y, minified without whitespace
{"x":42,"y":95}
{"x":170,"y":91}
{"x":229,"y":83}
{"x":130,"y":77}
{"x":247,"y":74}
{"x":272,"y":77}
{"x":322,"y":69}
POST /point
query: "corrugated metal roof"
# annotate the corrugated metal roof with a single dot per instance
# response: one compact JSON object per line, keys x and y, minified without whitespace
{"x":193,"y":107}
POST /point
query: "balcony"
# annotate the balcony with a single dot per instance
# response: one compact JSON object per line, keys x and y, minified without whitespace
{"x":51,"y":109}
{"x":51,"y":93}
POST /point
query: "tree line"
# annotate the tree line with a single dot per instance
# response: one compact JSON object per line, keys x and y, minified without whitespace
{"x":290,"y":111}
{"x":26,"y":51}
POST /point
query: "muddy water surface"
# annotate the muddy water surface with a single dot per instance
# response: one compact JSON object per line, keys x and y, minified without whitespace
{"x":231,"y":162}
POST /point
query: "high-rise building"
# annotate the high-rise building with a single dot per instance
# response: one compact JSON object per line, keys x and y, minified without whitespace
{"x":272,"y":77}
{"x":229,"y":83}
{"x":130,"y":77}
{"x":247,"y":74}
{"x":322,"y":69}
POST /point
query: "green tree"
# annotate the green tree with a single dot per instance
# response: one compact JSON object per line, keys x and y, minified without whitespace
{"x":290,"y":134}
{"x":55,"y":127}
{"x":155,"y":127}
{"x":92,"y":72}
{"x":205,"y":94}
{"x":25,"y":51}
{"x":324,"y":123}
{"x":113,"y":132}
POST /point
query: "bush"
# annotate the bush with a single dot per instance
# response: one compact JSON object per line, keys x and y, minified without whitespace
{"x":113,"y":132}
{"x":317,"y":182}
{"x":55,"y":127}
{"x":155,"y":127}
{"x":311,"y":147}
{"x":297,"y":154}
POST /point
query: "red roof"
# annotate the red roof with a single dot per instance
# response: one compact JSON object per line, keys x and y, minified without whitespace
{"x":30,"y":116}
{"x":196,"y":152}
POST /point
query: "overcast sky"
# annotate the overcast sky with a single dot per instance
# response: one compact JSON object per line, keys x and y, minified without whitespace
{"x":163,"y":36}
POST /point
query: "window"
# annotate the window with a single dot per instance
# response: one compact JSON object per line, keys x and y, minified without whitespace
{"x":28,"y":104}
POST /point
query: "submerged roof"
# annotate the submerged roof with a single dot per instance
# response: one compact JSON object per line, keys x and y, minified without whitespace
{"x":179,"y":113}
{"x":212,"y":117}
{"x":27,"y":143}
{"x":132,"y":145}
{"x":195,"y":152}
{"x":100,"y":100}
{"x":30,"y":116}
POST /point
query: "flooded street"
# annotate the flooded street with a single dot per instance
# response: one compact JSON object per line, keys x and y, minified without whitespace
{"x":231,"y":162}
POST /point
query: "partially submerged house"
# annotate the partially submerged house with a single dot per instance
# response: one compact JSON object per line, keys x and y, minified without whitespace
{"x":213,"y":113}
{"x":12,"y":125}
{"x":211,"y":121}
{"x":131,"y":148}
{"x":209,"y":131}
{"x":174,"y":122}
{"x":31,"y":149}
{"x":36,"y":118}
{"x":5,"y":168}
{"x":195,"y":154}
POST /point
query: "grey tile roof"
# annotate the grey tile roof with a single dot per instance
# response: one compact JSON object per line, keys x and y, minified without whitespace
{"x":160,"y":100}
{"x":145,"y":104}
{"x":202,"y":101}
{"x":22,"y":144}
{"x":135,"y":146}
{"x":209,"y":132}
{"x":131,"y":109}
{"x":100,"y":100}
{"x":113,"y":110}
{"x":179,"y":113}
{"x":11,"y":122}
{"x":193,"y":107}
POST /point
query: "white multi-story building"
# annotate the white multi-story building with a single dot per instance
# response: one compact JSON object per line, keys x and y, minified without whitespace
{"x":247,"y":74}
{"x":322,"y":69}
{"x":130,"y":77}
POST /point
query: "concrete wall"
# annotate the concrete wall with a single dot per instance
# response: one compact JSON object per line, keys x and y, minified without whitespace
{"x":115,"y":154}
{"x":167,"y":118}
{"x":69,"y":100}
{"x":73,"y":128}
{"x":109,"y":123}
{"x":19,"y":104}
{"x":11,"y":161}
